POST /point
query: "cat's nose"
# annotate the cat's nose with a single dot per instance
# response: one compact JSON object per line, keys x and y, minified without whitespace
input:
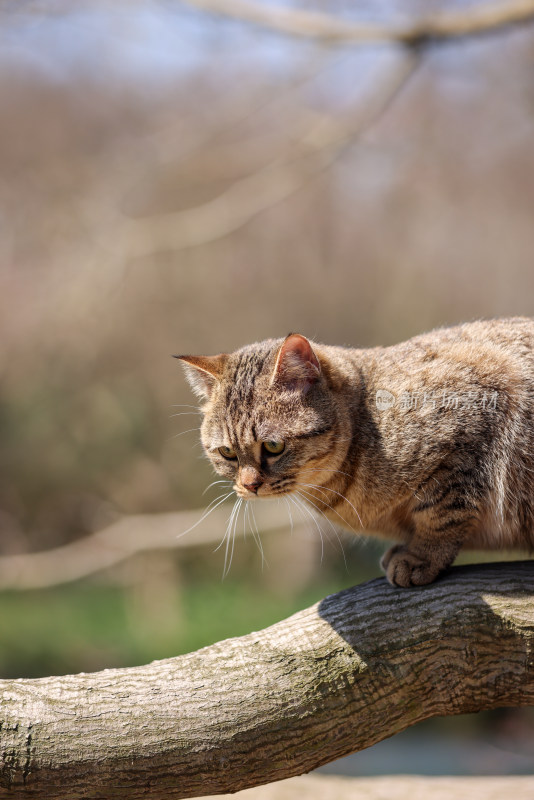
{"x":251,"y":479}
{"x":253,"y":487}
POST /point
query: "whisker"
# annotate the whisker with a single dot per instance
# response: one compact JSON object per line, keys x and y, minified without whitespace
{"x":213,"y":483}
{"x":207,"y":512}
{"x":257,"y":537}
{"x":246,"y":519}
{"x":224,"y":539}
{"x":292,"y":499}
{"x":227,"y":526}
{"x":234,"y":531}
{"x":185,"y":405}
{"x":327,"y":488}
{"x":336,"y":534}
{"x":230,"y":537}
{"x":183,"y":413}
{"x":307,"y":500}
{"x":335,"y":511}
{"x":184,"y":432}
{"x":307,"y":510}
{"x":289,"y":512}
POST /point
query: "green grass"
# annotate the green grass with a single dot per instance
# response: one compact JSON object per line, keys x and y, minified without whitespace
{"x":87,"y":627}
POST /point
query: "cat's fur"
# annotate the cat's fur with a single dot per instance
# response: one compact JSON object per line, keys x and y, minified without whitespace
{"x":442,"y":458}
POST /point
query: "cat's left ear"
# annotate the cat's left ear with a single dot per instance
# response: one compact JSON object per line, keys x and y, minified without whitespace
{"x":203,"y":372}
{"x":297,"y":367}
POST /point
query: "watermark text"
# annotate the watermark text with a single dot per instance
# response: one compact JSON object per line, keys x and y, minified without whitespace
{"x":437,"y":399}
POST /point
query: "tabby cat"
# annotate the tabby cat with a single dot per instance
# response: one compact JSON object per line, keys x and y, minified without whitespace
{"x":429,"y":443}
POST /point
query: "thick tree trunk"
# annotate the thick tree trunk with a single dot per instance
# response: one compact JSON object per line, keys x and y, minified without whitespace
{"x":357,"y":667}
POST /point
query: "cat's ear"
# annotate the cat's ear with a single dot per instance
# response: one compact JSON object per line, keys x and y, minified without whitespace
{"x":297,"y":367}
{"x":203,"y":372}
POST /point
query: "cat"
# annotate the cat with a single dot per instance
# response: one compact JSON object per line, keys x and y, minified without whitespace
{"x":429,"y":443}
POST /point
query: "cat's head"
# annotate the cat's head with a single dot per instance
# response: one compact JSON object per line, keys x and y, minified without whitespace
{"x":269,"y":415}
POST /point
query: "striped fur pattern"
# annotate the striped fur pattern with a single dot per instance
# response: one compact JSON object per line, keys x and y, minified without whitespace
{"x":429,"y":442}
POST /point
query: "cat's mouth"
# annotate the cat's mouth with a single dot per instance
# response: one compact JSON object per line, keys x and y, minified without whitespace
{"x":264,"y":490}
{"x":252,"y":494}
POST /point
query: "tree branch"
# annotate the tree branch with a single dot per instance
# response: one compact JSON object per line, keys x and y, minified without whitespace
{"x":329,"y":28}
{"x":354,"y":669}
{"x":247,"y":197}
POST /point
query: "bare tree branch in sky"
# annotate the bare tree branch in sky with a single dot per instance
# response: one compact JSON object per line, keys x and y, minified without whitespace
{"x":470,"y":21}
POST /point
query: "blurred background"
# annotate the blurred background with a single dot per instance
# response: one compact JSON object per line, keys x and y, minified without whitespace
{"x":173,"y":180}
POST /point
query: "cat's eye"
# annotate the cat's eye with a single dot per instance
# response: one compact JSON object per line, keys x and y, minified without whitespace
{"x":228,"y":453}
{"x":273,"y":448}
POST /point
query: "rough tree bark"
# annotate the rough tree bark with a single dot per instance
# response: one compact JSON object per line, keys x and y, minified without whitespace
{"x":357,"y":667}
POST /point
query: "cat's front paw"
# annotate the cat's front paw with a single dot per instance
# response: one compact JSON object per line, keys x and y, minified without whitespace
{"x":404,"y":568}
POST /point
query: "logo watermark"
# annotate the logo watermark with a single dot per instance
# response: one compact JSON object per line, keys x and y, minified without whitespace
{"x":384,"y":399}
{"x":436,"y":399}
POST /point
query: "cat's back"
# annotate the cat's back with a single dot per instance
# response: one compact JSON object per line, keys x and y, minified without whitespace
{"x":513,"y":336}
{"x":499,"y":350}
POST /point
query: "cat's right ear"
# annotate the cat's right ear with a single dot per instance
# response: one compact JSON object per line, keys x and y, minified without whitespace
{"x":203,"y":372}
{"x":297,"y":367}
